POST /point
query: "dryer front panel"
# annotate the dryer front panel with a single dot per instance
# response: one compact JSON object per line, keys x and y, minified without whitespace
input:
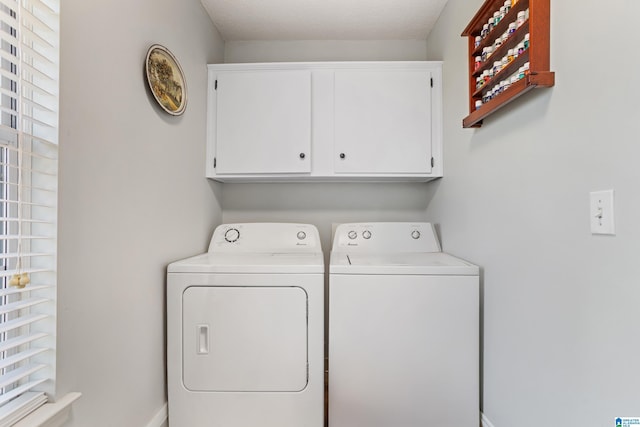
{"x":244,"y":339}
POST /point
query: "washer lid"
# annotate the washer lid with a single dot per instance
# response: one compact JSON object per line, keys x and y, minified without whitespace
{"x":273,"y":263}
{"x":426,"y":263}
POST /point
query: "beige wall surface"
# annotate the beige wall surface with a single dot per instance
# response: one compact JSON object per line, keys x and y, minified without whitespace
{"x":133,"y":198}
{"x":560,"y":314}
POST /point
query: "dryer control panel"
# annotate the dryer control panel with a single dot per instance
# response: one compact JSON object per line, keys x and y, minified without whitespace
{"x":382,"y":237}
{"x":265,"y":238}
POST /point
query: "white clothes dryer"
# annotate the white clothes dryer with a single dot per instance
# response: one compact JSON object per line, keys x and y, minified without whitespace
{"x":245,"y":330}
{"x":403,"y":330}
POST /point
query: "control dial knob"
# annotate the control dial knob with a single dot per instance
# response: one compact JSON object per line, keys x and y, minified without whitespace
{"x":352,"y":234}
{"x":232,"y":235}
{"x":366,"y":234}
{"x":301,"y":235}
{"x":415,"y":234}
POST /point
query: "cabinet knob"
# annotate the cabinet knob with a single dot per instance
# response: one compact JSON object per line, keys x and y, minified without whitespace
{"x":342,"y":155}
{"x":302,"y":156}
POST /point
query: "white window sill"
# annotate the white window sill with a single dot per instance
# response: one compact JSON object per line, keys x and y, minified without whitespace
{"x":50,"y":414}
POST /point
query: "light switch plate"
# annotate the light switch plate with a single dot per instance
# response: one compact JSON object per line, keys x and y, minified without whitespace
{"x":602,"y":213}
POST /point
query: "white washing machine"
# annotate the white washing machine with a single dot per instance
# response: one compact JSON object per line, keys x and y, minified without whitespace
{"x":245,"y":330}
{"x":403,"y":330}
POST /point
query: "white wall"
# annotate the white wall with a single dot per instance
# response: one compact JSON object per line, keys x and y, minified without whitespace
{"x":133,"y":197}
{"x":325,"y":50}
{"x":561,"y":325}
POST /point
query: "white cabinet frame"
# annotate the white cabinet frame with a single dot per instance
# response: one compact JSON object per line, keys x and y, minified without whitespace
{"x":320,"y":163}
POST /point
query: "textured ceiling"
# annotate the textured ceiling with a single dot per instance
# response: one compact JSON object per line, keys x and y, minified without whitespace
{"x":324,"y":19}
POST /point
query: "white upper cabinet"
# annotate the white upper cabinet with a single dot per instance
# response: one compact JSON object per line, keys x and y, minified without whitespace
{"x":263,"y":122}
{"x":319,"y":121}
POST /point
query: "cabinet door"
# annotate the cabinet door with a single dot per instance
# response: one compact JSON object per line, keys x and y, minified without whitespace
{"x":382,"y":121}
{"x":263,"y":122}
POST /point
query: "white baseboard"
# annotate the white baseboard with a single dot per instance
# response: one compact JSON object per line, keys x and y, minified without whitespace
{"x":485,"y":421}
{"x":160,"y":419}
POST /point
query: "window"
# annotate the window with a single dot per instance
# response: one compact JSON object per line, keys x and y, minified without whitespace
{"x":29,"y":37}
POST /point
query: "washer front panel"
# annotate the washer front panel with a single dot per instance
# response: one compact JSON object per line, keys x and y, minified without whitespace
{"x":403,"y":351}
{"x":244,"y":339}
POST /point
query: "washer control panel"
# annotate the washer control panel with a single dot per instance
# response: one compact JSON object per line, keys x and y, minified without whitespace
{"x":265,"y":238}
{"x":386,"y":237}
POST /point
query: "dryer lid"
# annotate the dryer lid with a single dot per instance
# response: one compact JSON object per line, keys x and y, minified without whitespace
{"x":238,"y":263}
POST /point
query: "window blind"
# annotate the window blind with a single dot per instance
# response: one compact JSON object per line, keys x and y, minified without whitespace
{"x":29,"y":64}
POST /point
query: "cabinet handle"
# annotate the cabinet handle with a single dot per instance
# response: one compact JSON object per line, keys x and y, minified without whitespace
{"x":342,"y":155}
{"x":302,"y":156}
